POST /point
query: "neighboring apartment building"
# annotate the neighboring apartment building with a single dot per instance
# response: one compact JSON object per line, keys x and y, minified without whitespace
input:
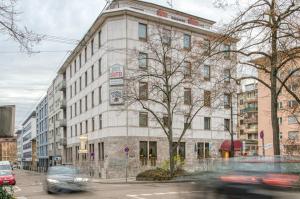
{"x":247,"y":119}
{"x":96,"y":112}
{"x":29,"y":160}
{"x":57,"y":121}
{"x":42,"y":132}
{"x":19,"y":147}
{"x":288,"y":114}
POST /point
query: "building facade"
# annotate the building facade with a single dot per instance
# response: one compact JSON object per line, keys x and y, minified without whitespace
{"x":99,"y":127}
{"x":42,"y":132}
{"x":19,"y":147}
{"x":7,"y":121}
{"x":248,"y":119}
{"x":29,"y":160}
{"x":56,"y":121}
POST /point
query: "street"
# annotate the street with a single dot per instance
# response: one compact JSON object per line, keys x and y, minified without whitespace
{"x":29,"y":186}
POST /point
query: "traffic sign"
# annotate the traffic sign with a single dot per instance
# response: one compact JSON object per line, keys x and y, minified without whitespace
{"x":261,"y":135}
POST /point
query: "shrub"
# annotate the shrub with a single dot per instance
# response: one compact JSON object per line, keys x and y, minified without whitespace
{"x":157,"y":174}
{"x":6,"y":192}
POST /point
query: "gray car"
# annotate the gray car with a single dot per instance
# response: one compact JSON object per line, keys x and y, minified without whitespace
{"x":64,"y":178}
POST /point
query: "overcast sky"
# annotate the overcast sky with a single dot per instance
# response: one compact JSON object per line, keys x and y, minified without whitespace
{"x":24,"y":79}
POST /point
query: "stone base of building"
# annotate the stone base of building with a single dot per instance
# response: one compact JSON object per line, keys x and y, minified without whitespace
{"x":114,"y":162}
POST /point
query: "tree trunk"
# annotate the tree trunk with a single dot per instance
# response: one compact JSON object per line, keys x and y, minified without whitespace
{"x":231,"y":129}
{"x":273,"y":79}
{"x":171,"y":153}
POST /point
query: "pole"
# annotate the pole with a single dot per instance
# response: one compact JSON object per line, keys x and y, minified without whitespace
{"x":126,"y":172}
{"x":263,"y":145}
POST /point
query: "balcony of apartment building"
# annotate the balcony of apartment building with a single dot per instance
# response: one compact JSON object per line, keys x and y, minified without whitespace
{"x":62,"y":123}
{"x":63,"y":141}
{"x":62,"y":85}
{"x":251,"y":130}
{"x":250,"y":109}
{"x":63,"y":104}
{"x":252,"y":120}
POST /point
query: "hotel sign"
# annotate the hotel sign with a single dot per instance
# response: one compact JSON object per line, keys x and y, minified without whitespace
{"x":116,"y":71}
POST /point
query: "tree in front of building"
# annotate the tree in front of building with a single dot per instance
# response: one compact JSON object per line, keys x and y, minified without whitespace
{"x":270,"y":38}
{"x":172,"y":77}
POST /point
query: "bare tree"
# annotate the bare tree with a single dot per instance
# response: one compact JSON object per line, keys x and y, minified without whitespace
{"x":8,"y":26}
{"x":172,"y":79}
{"x":270,"y":37}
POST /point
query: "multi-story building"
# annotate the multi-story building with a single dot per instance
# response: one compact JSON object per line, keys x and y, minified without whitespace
{"x":19,"y":147}
{"x":42,"y":132}
{"x":29,"y":142}
{"x":247,"y":119}
{"x":56,"y":121}
{"x":288,"y":113}
{"x":98,"y":123}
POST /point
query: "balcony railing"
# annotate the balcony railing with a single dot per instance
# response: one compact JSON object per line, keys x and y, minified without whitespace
{"x":250,"y":109}
{"x":250,"y":120}
{"x":62,"y":86}
{"x":62,"y":123}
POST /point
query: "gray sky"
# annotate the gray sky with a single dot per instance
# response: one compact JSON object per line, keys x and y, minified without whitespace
{"x":24,"y":78}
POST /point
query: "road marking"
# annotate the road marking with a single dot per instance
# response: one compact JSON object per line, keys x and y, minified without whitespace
{"x":17,"y":189}
{"x":21,"y":197}
{"x":140,"y":196}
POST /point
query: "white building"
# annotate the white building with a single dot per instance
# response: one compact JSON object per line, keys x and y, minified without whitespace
{"x":19,"y":146}
{"x":56,"y":121}
{"x":29,"y":160}
{"x":92,"y":110}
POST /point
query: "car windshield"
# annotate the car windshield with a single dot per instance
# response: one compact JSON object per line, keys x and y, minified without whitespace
{"x":5,"y":173}
{"x":5,"y":167}
{"x":62,"y":170}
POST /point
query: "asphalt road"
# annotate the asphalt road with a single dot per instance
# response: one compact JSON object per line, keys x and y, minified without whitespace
{"x":30,"y":186}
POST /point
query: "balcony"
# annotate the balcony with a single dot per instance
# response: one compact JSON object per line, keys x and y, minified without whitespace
{"x":63,"y":104}
{"x":62,"y":86}
{"x":62,"y":123}
{"x":250,"y":120}
{"x":63,"y":141}
{"x":251,"y":130}
{"x":250,"y":109}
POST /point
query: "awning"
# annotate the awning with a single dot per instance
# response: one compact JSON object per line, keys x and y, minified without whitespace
{"x":226,"y":145}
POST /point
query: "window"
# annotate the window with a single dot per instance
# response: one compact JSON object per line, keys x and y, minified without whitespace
{"x":187,"y":124}
{"x":153,"y":153}
{"x":86,"y":104}
{"x":292,"y":119}
{"x":165,"y":120}
{"x":71,"y":111}
{"x":206,"y":123}
{"x":80,"y":106}
{"x":166,"y":37}
{"x":80,"y":60}
{"x":187,"y":69}
{"x":227,"y":75}
{"x":293,"y":135}
{"x":293,"y":87}
{"x":75,"y":107}
{"x":92,"y":47}
{"x":186,"y":41}
{"x":187,"y":96}
{"x":75,"y":65}
{"x":279,"y":105}
{"x":100,"y":121}
{"x":80,"y":84}
{"x":206,"y":72}
{"x":143,"y":60}
{"x":143,"y":119}
{"x":75,"y":130}
{"x":227,"y":100}
{"x":227,"y":125}
{"x":292,"y":103}
{"x":202,"y":150}
{"x":142,"y":31}
{"x":101,"y":151}
{"x":93,"y":124}
{"x":99,"y":67}
{"x":86,"y":126}
{"x":71,"y":71}
{"x":71,"y":93}
{"x":75,"y":85}
{"x":92,"y":152}
{"x":80,"y":128}
{"x":241,"y":102}
{"x":100,"y":94}
{"x":143,"y":90}
{"x":207,"y":98}
{"x":280,"y":135}
{"x":280,"y":120}
{"x":206,"y":47}
{"x":99,"y":39}
{"x":241,"y":122}
{"x":180,"y":151}
{"x":93,"y":96}
{"x":226,"y":51}
{"x":86,"y":78}
{"x":92,"y":73}
{"x":85,"y":54}
{"x":143,"y":152}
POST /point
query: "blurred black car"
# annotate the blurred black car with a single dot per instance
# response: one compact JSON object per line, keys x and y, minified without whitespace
{"x":259,"y":178}
{"x":64,"y":178}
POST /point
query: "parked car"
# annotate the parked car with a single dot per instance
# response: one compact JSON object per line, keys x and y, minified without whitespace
{"x":5,"y":166}
{"x":7,"y":178}
{"x":64,"y":178}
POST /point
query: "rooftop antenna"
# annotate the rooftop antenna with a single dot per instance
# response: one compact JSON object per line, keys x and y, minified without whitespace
{"x":170,"y":3}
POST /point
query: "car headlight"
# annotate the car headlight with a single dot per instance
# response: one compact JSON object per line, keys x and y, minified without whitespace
{"x":80,"y":179}
{"x":52,"y":180}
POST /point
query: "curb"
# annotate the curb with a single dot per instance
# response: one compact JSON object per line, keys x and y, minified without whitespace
{"x":148,"y":182}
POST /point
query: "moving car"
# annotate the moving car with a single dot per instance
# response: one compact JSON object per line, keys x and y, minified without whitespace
{"x":7,"y":178}
{"x":64,"y":178}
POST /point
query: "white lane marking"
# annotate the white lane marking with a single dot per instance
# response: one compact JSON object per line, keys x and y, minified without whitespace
{"x":17,"y":189}
{"x":21,"y":197}
{"x":138,"y":196}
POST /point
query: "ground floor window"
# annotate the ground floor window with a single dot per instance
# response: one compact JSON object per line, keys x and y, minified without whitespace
{"x":179,"y":150}
{"x":148,"y":151}
{"x":101,"y":151}
{"x":203,"y":150}
{"x":92,"y":152}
